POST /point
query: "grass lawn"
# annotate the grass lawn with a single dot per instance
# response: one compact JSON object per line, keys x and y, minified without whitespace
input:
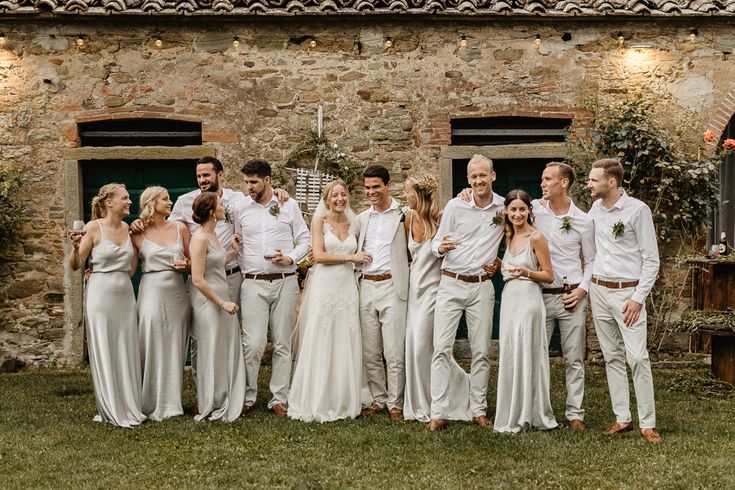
{"x":48,"y":439}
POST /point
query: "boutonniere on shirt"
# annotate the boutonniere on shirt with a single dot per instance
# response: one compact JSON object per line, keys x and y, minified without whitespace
{"x":228,"y":215}
{"x":566,"y":224}
{"x":275,"y":210}
{"x":618,"y":229}
{"x":498,"y":219}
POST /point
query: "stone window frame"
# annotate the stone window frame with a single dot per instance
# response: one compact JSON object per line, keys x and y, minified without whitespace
{"x":73,"y":198}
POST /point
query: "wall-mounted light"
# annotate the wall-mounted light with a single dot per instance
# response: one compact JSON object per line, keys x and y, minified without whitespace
{"x":312,"y":44}
{"x":621,"y":39}
{"x":463,"y":43}
{"x":693,"y":33}
{"x":2,"y":39}
{"x":388,"y":44}
{"x":80,"y":40}
{"x":537,"y":41}
{"x":158,"y":42}
{"x":236,"y":42}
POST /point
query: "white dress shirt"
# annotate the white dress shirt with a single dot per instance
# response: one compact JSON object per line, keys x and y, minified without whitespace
{"x":479,"y":238}
{"x":378,"y":237}
{"x":263,"y":232}
{"x":633,"y":256}
{"x":567,"y":247}
{"x":224,"y":230}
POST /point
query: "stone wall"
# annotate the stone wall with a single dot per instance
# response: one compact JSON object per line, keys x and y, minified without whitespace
{"x":390,"y":106}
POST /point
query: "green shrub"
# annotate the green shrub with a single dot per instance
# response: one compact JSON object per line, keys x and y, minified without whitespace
{"x":10,"y":207}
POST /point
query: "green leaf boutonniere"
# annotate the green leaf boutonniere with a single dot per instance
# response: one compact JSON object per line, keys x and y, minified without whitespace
{"x":275,"y":210}
{"x":618,"y":229}
{"x":566,"y":224}
{"x":228,"y":215}
{"x":498,"y":219}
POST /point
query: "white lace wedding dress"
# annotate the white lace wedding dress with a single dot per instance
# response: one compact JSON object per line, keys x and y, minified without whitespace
{"x":328,"y":376}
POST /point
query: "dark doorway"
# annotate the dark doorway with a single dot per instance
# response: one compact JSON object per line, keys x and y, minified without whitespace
{"x":725,"y":217}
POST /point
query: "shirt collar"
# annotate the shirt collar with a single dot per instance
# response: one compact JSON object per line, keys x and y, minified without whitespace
{"x":497,"y":201}
{"x":393,"y":205}
{"x":619,"y":204}
{"x":571,"y":213}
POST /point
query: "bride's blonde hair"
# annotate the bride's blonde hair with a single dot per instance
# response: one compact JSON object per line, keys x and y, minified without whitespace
{"x":328,"y":191}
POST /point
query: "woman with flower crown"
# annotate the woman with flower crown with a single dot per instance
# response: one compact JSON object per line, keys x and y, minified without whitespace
{"x":421,"y":224}
{"x":327,"y":379}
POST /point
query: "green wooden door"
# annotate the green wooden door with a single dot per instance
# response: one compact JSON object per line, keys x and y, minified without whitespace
{"x":510,"y":174}
{"x":178,"y":176}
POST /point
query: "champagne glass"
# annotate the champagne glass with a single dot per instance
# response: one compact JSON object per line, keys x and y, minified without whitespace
{"x":269,"y":253}
{"x":178,"y":260}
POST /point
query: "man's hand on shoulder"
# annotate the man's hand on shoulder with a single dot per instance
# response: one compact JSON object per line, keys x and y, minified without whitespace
{"x":465,"y":194}
{"x":281,"y":194}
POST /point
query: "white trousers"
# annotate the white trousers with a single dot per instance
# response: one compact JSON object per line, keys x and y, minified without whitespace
{"x":477,"y":301}
{"x":618,"y":343}
{"x":572,"y":330}
{"x":268,"y":304}
{"x":383,"y":326}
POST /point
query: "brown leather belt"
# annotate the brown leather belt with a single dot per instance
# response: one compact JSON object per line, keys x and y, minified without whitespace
{"x":376,"y":277}
{"x":614,"y":284}
{"x":232,"y":270}
{"x":269,"y":277}
{"x":481,"y":278}
{"x":558,"y":290}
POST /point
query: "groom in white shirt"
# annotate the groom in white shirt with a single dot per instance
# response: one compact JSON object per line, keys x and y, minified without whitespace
{"x":275,"y":238}
{"x":571,"y":237}
{"x":383,"y":295}
{"x":625,"y":270}
{"x":468,"y":239}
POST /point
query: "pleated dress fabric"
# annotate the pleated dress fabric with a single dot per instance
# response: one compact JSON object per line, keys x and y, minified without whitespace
{"x":424,"y":278}
{"x":523,"y":398}
{"x":112,"y":334}
{"x":220,"y":374}
{"x":164,"y":314}
{"x":328,"y":377}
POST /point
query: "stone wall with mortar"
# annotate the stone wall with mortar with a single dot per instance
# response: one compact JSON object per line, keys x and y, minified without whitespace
{"x":390,"y":106}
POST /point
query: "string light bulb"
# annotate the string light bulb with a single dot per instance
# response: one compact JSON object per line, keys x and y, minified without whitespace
{"x":463,"y":43}
{"x":693,"y":33}
{"x":621,"y":39}
{"x":312,"y":44}
{"x":2,"y":39}
{"x":236,"y":42}
{"x":388,"y":43}
{"x":80,"y":40}
{"x":537,"y":41}
{"x":158,"y":42}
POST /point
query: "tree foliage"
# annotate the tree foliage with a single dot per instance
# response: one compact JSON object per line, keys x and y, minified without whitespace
{"x":10,"y":206}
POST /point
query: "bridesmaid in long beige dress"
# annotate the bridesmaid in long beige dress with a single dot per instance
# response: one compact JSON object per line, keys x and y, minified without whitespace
{"x":164,"y":310}
{"x":112,"y":329}
{"x":421,"y":224}
{"x":220,"y":368}
{"x":524,"y":401}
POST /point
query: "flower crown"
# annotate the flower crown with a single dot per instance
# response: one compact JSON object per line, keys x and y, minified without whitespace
{"x":426,"y":183}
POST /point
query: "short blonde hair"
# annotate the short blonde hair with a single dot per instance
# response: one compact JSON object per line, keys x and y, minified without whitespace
{"x":477,"y":158}
{"x":148,"y":203}
{"x":98,"y":201}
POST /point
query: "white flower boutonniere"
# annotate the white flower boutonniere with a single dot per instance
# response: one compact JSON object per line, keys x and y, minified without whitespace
{"x":498,"y":219}
{"x":228,"y":215}
{"x":618,"y":229}
{"x":275,"y":210}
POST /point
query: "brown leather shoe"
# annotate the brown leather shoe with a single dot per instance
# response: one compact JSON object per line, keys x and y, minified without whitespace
{"x":650,"y":435}
{"x":577,"y":424}
{"x":371,"y":410}
{"x":279,"y":410}
{"x":435,"y":425}
{"x":246,"y":410}
{"x":617,"y":428}
{"x":395,"y":414}
{"x":482,"y":421}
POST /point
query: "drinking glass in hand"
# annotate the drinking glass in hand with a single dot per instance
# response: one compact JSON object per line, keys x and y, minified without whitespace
{"x":77,"y":228}
{"x":178,"y":260}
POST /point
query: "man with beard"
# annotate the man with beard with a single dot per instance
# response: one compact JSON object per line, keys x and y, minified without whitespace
{"x":275,"y":238}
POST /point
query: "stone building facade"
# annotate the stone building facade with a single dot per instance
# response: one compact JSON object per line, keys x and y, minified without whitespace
{"x":393,"y":79}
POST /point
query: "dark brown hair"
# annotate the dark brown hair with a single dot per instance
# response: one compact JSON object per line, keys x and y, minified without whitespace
{"x":203,"y":205}
{"x":377,"y":171}
{"x":509,"y":198}
{"x":258,"y":167}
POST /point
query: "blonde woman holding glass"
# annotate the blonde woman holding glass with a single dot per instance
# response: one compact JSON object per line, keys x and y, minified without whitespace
{"x":112,"y":330}
{"x":164,"y":311}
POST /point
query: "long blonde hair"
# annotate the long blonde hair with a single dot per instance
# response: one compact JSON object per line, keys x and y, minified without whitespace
{"x":148,"y":203}
{"x":98,"y":201}
{"x":328,"y":191}
{"x":427,"y":208}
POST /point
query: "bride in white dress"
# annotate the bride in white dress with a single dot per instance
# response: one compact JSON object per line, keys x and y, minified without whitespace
{"x":327,"y":379}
